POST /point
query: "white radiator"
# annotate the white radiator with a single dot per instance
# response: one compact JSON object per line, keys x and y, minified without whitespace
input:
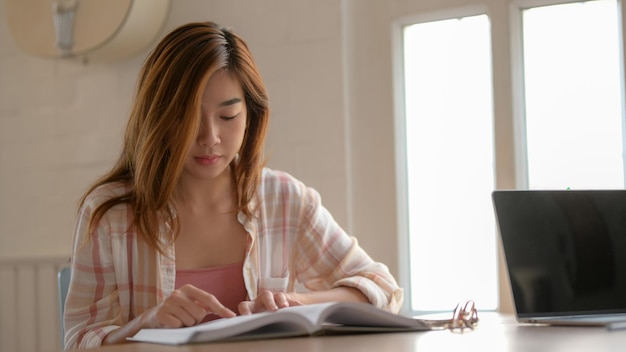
{"x":29,"y":308}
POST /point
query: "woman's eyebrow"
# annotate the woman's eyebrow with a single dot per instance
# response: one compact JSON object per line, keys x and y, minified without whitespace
{"x":230,"y":102}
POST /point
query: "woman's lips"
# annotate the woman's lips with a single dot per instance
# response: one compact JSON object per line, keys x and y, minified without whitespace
{"x":207,"y":159}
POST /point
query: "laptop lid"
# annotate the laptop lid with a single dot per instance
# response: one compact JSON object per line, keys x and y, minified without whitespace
{"x":565,"y":250}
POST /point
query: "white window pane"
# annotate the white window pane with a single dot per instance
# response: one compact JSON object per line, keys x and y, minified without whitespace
{"x":572,"y":93}
{"x":449,"y":146}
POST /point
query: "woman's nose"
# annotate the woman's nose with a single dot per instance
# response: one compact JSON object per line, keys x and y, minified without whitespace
{"x":208,"y":135}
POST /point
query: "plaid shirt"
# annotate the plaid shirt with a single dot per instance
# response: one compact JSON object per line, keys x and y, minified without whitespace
{"x":293,"y":241}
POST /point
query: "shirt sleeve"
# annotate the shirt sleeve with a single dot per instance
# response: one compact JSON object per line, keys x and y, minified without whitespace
{"x":92,"y":307}
{"x":327,"y":257}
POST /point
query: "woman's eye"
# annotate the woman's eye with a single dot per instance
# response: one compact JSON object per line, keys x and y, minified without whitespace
{"x":228,"y":117}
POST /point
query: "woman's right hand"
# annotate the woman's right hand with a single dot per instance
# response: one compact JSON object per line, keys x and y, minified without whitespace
{"x":186,"y":306}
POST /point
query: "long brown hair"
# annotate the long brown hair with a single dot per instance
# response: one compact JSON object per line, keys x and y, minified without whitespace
{"x":164,"y":121}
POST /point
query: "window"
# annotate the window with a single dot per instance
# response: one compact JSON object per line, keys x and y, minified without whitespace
{"x":563,"y":126}
{"x":573,"y":96}
{"x":448,"y":133}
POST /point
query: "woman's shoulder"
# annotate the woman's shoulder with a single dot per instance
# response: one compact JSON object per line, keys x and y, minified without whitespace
{"x":278,"y":179}
{"x":104,"y":192}
{"x":277,"y":183}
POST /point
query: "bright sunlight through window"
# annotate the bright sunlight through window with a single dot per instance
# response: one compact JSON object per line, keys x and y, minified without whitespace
{"x":572,"y":92}
{"x":449,"y":161}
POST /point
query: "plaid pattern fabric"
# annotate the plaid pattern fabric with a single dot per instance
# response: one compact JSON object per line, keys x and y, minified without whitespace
{"x":293,"y":242}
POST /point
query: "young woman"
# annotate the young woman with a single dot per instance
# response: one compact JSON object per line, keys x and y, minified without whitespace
{"x":189,"y":225}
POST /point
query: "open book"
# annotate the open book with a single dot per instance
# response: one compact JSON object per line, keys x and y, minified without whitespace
{"x":304,"y":320}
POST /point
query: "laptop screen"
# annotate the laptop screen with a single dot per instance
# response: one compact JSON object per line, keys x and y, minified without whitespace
{"x":565,"y":250}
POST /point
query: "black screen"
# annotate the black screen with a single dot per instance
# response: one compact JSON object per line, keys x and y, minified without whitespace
{"x":565,"y":250}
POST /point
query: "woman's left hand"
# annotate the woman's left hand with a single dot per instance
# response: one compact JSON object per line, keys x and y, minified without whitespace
{"x":268,"y":301}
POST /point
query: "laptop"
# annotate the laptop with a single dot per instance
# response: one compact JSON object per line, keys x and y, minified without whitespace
{"x":565,"y":251}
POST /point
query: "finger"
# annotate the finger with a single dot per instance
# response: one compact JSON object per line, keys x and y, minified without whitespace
{"x":157,"y":317}
{"x":245,"y":307}
{"x":293,"y":299}
{"x":281,"y":300}
{"x":208,"y":301}
{"x":213,"y":305}
{"x":266,"y":301}
{"x":174,"y":317}
{"x":182,"y":307}
{"x":170,"y":314}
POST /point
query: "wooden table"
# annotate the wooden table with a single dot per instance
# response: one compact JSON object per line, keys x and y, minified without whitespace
{"x":494,"y":333}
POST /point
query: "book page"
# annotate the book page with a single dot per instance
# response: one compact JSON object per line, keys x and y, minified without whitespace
{"x":290,"y":321}
{"x":365,"y":315}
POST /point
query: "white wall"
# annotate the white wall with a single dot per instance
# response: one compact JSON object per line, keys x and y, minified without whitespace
{"x":61,"y":121}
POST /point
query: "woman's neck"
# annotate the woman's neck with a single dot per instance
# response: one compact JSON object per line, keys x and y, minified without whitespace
{"x":216,"y":194}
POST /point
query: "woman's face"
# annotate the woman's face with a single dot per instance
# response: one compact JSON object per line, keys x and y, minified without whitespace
{"x":222,"y":128}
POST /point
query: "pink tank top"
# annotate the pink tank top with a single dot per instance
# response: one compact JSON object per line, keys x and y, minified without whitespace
{"x":224,"y":282}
